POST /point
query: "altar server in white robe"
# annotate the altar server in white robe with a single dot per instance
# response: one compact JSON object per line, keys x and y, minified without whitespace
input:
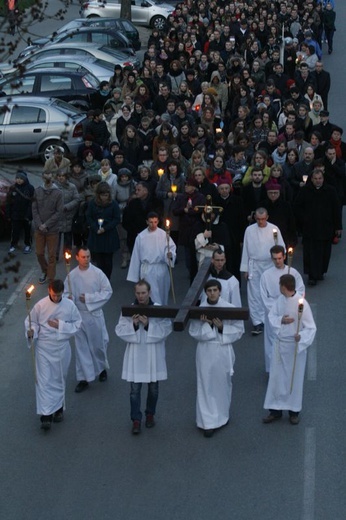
{"x":258,"y":240}
{"x":214,"y":362}
{"x":229,"y":283}
{"x":145,"y":356}
{"x":270,"y":291}
{"x":54,"y":320}
{"x":150,"y":259}
{"x":90,"y":291}
{"x":287,"y":368}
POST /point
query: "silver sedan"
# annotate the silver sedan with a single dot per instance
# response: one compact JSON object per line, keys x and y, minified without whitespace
{"x":32,"y":126}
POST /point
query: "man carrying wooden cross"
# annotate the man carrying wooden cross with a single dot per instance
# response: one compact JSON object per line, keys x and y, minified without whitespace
{"x":214,"y":361}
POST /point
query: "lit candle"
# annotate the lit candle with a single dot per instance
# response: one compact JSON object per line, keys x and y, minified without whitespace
{"x":305,"y":178}
{"x":290,"y":258}
{"x":218,"y":130}
{"x":160,"y":172}
{"x":174,"y":188}
{"x":29,"y":291}
{"x":67,"y":257}
{"x":300,"y":307}
{"x":275,"y":236}
{"x":197,"y":107}
{"x":168,"y":225}
{"x":100,"y":222}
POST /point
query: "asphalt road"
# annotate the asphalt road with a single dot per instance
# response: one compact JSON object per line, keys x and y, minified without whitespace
{"x":91,"y":467}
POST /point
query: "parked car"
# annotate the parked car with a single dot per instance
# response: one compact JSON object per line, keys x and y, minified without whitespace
{"x":119,"y":24}
{"x":109,"y":37}
{"x":74,"y":87}
{"x":143,"y":12}
{"x":103,"y":70}
{"x":90,"y":50}
{"x":32,"y":126}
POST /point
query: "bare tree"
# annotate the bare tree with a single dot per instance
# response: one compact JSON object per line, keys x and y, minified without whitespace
{"x":125,"y":9}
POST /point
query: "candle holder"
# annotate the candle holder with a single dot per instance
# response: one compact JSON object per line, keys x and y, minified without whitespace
{"x":68,"y":257}
{"x":28,"y":294}
{"x":300,"y":314}
{"x":289,"y":258}
{"x":100,"y":222}
{"x":275,"y":236}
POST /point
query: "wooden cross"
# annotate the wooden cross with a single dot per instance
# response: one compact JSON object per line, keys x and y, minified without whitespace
{"x":208,"y":211}
{"x":188,"y":309}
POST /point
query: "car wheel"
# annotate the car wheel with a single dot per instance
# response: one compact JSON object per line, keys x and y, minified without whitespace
{"x":47,"y":149}
{"x":158,"y":22}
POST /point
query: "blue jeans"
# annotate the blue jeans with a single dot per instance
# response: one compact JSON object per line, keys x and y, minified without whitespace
{"x":135,"y":400}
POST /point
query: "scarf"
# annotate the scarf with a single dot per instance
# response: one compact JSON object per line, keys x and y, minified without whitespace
{"x":337,"y":146}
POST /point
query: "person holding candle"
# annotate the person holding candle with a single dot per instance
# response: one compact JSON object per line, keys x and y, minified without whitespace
{"x":258,"y":240}
{"x":270,"y":291}
{"x":53,"y":321}
{"x":294,"y":331}
{"x":89,"y":288}
{"x":103,"y":216}
{"x":170,"y":186}
{"x":145,"y":355}
{"x":151,"y":256}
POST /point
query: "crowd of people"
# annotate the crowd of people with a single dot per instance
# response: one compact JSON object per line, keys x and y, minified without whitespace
{"x":225,"y":132}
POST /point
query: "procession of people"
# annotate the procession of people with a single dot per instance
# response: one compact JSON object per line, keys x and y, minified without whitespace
{"x":223,"y":149}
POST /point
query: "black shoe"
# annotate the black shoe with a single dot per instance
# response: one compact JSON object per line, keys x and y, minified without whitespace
{"x":312,"y":282}
{"x":208,"y":433}
{"x":294,"y":419}
{"x":257,"y":329}
{"x":271,"y":418}
{"x":82,"y":385}
{"x":46,"y":422}
{"x":58,"y":416}
{"x":103,"y":376}
{"x":149,"y":421}
{"x":136,"y":427}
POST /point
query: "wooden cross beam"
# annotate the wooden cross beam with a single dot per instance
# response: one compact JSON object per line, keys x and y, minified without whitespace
{"x":188,"y":309}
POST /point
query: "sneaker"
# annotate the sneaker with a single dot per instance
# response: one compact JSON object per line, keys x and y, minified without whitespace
{"x":257,"y":329}
{"x":82,"y":385}
{"x":149,"y":421}
{"x":12,"y":249}
{"x":27,"y":250}
{"x":136,"y":427}
{"x":42,"y":278}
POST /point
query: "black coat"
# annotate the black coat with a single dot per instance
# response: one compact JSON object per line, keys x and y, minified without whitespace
{"x":135,"y":217}
{"x":318,"y":212}
{"x":280,"y":214}
{"x":19,"y":200}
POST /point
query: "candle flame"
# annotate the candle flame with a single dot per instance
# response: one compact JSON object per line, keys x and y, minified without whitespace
{"x":67,"y":256}
{"x":275,"y":231}
{"x":174,"y":188}
{"x":167,"y":223}
{"x":31,"y":288}
{"x":218,"y":130}
{"x":301,"y":301}
{"x":160,"y":172}
{"x":290,"y":250}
